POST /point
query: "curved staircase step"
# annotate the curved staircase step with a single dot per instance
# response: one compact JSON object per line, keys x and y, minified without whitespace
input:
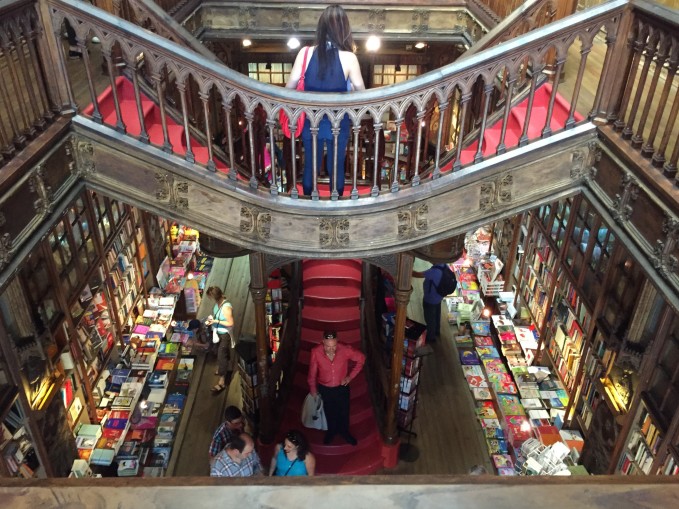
{"x":331,"y":271}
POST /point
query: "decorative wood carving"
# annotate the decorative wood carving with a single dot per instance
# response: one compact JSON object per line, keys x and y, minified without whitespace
{"x":376,"y":20}
{"x":420,"y":21}
{"x":622,"y":209}
{"x":584,"y":160}
{"x":82,"y":155}
{"x":36,"y":184}
{"x":662,"y":258}
{"x":255,"y":222}
{"x":412,"y":221}
{"x":171,"y":191}
{"x":334,"y":232}
{"x":496,"y":193}
{"x":247,"y":18}
{"x":290,"y":20}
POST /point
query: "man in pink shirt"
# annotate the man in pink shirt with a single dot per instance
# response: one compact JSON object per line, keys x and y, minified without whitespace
{"x":329,"y":375}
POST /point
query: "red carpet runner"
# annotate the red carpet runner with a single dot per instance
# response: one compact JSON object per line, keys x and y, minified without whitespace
{"x":331,"y":302}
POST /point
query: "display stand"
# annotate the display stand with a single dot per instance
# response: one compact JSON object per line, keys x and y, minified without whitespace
{"x":409,"y":452}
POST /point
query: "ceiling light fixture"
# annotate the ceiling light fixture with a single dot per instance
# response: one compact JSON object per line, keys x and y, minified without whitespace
{"x":247,"y":43}
{"x":293,"y":43}
{"x":420,"y":45}
{"x":373,"y":43}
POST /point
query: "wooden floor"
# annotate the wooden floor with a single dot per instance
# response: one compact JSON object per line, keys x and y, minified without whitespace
{"x":449,"y":439}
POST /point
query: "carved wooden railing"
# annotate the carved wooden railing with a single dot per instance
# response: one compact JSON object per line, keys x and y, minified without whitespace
{"x":526,"y":17}
{"x":449,"y":90}
{"x":646,"y":113}
{"x":26,"y":102}
{"x":440,"y":104}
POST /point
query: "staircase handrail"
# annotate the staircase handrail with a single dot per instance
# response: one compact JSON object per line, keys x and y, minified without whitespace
{"x":506,"y":29}
{"x":166,"y":26}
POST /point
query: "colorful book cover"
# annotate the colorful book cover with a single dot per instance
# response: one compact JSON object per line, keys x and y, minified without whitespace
{"x":481,"y":393}
{"x":483,"y":341}
{"x":481,"y":328}
{"x":165,"y":363}
{"x":485,"y":410}
{"x":510,"y":405}
{"x":496,"y":446}
{"x":505,"y":471}
{"x":487,"y":352}
{"x":495,"y":433}
{"x":468,"y":357}
{"x":494,"y":366}
{"x":502,"y":461}
{"x":115,"y":423}
{"x":490,"y":423}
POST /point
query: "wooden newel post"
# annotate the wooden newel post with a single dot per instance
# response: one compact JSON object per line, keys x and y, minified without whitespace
{"x":402,"y":291}
{"x":258,"y":291}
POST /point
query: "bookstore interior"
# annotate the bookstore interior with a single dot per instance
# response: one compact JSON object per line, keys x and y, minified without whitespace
{"x":570,"y":354}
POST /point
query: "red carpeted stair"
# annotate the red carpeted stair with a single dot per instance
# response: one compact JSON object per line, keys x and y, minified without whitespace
{"x":331,"y":302}
{"x":152,"y":121}
{"x":515,"y":123}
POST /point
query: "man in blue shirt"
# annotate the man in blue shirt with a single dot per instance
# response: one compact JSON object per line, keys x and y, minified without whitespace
{"x":431,"y":300}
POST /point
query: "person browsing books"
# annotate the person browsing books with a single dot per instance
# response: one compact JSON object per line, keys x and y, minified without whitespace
{"x":232,"y":426}
{"x":431,"y":300}
{"x":329,"y":375}
{"x":237,"y":459}
{"x":293,"y":457}
{"x":221,"y":321}
{"x":331,"y":67}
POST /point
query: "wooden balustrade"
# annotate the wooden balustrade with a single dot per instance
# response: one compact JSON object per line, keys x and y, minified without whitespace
{"x":646,"y":115}
{"x":400,"y":136}
{"x":25,"y":99}
{"x":217,"y":99}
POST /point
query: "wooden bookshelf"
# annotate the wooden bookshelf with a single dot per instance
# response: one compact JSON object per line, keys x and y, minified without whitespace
{"x":643,"y":442}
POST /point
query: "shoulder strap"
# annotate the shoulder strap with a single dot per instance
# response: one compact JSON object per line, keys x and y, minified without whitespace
{"x":306,"y":53}
{"x":291,"y":465}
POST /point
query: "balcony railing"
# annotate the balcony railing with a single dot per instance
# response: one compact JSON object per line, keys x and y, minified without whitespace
{"x":400,"y":136}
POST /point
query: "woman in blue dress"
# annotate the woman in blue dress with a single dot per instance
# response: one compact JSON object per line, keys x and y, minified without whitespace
{"x":292,"y":457}
{"x":331,"y":67}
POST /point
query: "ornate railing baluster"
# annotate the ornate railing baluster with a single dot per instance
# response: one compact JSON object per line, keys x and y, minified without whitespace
{"x":375,"y":191}
{"x":648,"y":149}
{"x":143,"y":133}
{"x":523,"y":140}
{"x":501,"y":147}
{"x":314,"y":165}
{"x":356,"y":128}
{"x":38,"y":121}
{"x":204,"y":98}
{"x":547,"y":130}
{"x":226,"y":108}
{"x":181,"y":87}
{"x":648,"y":58}
{"x":464,"y":106}
{"x":270,"y":123}
{"x":487,"y":91}
{"x":585,"y":49}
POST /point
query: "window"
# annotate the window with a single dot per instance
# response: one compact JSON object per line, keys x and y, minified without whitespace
{"x":276,"y":74}
{"x":390,"y":74}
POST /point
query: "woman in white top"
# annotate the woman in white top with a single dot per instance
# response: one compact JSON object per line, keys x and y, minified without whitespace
{"x":221,"y":321}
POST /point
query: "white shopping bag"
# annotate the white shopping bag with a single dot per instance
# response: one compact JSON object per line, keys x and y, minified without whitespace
{"x":313,"y":415}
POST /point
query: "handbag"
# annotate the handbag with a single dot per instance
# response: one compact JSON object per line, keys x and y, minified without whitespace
{"x":313,"y":415}
{"x":215,"y":336}
{"x":283,"y":117}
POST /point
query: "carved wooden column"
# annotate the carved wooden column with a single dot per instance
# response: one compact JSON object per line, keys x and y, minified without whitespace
{"x":258,"y":288}
{"x":402,"y":291}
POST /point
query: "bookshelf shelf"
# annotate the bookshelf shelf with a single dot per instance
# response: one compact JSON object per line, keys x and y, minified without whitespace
{"x":643,"y":442}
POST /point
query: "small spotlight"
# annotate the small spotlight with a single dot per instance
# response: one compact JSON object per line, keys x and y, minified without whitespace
{"x":189,"y":276}
{"x":486,"y":312}
{"x":143,"y":404}
{"x":373,"y":43}
{"x":293,"y":43}
{"x":247,"y":43}
{"x":525,"y":426}
{"x":420,"y":45}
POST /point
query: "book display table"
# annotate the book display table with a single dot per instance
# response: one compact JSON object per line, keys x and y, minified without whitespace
{"x":141,"y":399}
